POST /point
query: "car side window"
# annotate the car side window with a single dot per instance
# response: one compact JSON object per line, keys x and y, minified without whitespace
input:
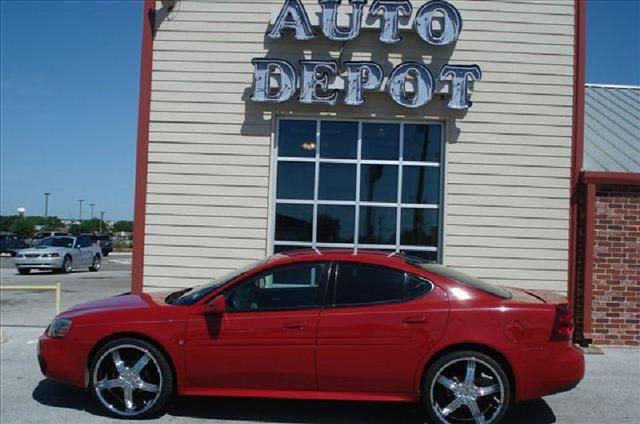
{"x":363,"y":284}
{"x":416,"y":287}
{"x":285,"y":288}
{"x":84,"y":243}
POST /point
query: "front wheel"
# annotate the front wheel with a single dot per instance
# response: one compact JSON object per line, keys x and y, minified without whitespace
{"x":466,"y":387}
{"x":95,"y":265}
{"x":66,"y":265}
{"x":131,"y":378}
{"x":24,"y":271}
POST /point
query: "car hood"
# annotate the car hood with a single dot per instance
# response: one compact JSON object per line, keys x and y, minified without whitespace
{"x":122,"y":303}
{"x":43,"y":249}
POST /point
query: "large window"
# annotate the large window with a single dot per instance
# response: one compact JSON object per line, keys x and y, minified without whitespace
{"x":351,"y":184}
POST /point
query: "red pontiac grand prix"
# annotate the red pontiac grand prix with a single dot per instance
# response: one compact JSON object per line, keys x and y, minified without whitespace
{"x":366,"y":326}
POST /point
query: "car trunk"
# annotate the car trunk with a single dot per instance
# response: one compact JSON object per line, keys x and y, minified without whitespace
{"x":536,"y":296}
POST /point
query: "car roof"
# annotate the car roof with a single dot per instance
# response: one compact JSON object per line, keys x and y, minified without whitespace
{"x":333,"y":254}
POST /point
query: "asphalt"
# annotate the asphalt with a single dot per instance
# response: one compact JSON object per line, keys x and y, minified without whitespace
{"x":608,"y":394}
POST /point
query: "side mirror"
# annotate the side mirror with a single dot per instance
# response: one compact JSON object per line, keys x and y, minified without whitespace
{"x":217,"y":306}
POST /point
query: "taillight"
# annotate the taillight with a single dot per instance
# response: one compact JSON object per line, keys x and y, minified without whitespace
{"x":562,"y":324}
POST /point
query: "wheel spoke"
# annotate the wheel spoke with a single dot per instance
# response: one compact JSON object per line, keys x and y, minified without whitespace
{"x":446,"y":382}
{"x":144,"y":360}
{"x":457,"y":403}
{"x":128,"y":399}
{"x":471,"y":371}
{"x":475,"y":412}
{"x":109,"y":384}
{"x":489,"y":390}
{"x":148,"y":387}
{"x":118,"y":362}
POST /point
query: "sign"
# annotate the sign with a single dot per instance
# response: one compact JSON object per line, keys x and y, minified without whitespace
{"x":437,"y":23}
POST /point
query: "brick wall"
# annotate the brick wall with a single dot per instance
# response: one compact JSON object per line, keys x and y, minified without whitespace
{"x":616,"y":275}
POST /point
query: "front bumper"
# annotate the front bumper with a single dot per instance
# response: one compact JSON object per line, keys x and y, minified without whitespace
{"x":38,"y":263}
{"x":61,"y":360}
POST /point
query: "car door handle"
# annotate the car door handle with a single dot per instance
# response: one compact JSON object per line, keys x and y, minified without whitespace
{"x":415,"y":320}
{"x":294,"y":325}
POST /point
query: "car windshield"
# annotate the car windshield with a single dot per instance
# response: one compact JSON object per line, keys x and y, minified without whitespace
{"x":191,"y":296}
{"x":462,"y":278}
{"x":57,"y":242}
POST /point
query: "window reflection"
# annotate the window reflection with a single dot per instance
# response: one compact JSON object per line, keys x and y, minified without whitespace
{"x":294,"y":222}
{"x":419,"y":227}
{"x":377,"y":225}
{"x":420,"y":185}
{"x":295,"y":180}
{"x":338,"y":140}
{"x":335,"y":224}
{"x":422,"y":143}
{"x":380,"y":141}
{"x":379,"y":183}
{"x":337,"y":181}
{"x":297,"y":138}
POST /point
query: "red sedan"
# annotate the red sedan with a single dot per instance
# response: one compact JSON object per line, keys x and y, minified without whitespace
{"x":338,"y":325}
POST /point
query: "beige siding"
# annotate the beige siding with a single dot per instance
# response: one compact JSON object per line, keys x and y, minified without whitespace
{"x":507,"y":158}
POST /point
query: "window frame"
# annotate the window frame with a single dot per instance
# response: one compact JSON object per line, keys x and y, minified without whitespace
{"x":332,"y":286}
{"x":322,"y":285}
{"x":399,"y":206}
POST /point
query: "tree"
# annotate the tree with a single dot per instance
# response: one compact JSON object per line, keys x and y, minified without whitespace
{"x":126,"y":226}
{"x":23,"y":228}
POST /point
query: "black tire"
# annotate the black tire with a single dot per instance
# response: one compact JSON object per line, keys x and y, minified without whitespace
{"x":493,"y":406}
{"x":157,"y":363}
{"x":95,"y":267}
{"x":105,"y":254}
{"x":24,"y":271}
{"x":67,"y":264}
{"x":13,"y":254}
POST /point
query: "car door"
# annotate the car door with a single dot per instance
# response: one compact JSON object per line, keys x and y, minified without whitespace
{"x":85,"y":252}
{"x":378,"y":330}
{"x":266,"y":338}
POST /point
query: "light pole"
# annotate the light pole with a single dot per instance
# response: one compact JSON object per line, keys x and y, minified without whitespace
{"x":46,"y":204}
{"x":101,"y":220}
{"x":92,"y":205}
{"x":80,"y":213}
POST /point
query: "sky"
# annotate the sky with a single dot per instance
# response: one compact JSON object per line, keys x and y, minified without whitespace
{"x":69,"y":97}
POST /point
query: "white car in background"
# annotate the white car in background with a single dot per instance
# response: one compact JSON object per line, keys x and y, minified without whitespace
{"x":59,"y":254}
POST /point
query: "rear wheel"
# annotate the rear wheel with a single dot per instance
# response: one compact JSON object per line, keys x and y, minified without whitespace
{"x":24,"y":271}
{"x":95,"y":265}
{"x":131,"y":378}
{"x":466,"y":387}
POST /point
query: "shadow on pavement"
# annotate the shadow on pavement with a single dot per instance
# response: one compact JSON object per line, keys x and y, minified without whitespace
{"x":284,"y":411}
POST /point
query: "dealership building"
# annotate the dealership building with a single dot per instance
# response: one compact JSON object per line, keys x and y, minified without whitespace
{"x":453,"y":131}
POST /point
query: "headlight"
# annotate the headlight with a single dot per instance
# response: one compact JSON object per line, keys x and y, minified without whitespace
{"x":51,"y":255}
{"x":59,"y":328}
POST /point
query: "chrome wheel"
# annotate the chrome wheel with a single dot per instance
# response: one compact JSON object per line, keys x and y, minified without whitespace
{"x":467,"y":390}
{"x":127,"y":380}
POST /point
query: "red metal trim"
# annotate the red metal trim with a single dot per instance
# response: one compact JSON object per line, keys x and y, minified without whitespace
{"x":142,"y":152}
{"x":611,"y":178}
{"x":589,"y":257}
{"x":577,"y":146}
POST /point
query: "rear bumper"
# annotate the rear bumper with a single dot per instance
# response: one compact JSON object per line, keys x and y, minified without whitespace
{"x":557,"y":368}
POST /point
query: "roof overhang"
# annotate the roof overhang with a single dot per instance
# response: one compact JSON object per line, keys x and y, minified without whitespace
{"x":611,"y":178}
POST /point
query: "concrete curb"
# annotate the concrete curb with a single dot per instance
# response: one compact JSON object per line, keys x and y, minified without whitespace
{"x":119,"y":254}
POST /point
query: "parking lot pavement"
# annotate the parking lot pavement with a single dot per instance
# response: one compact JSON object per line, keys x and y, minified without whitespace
{"x":607,"y":395}
{"x":37,"y":307}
